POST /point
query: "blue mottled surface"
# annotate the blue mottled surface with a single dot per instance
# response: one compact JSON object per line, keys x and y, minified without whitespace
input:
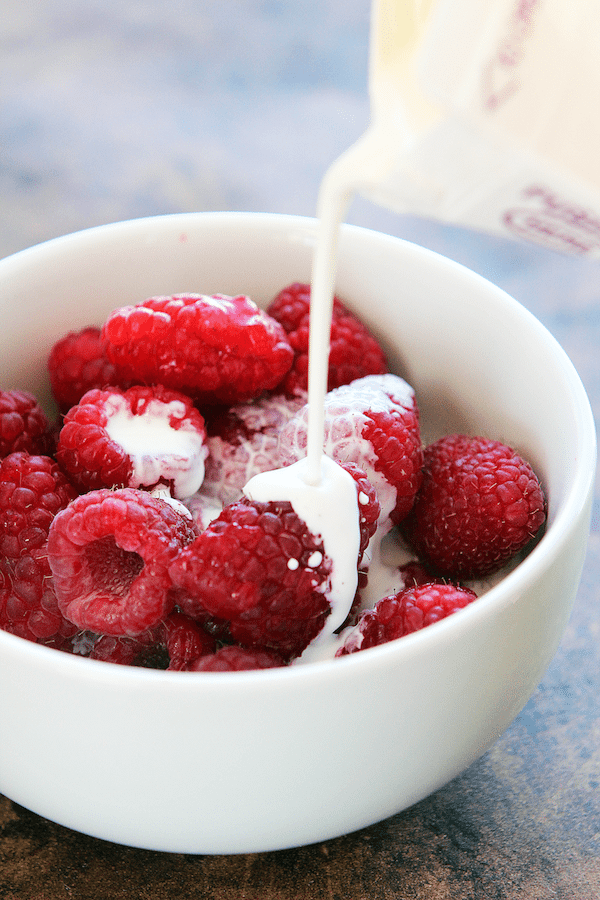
{"x":112,"y":110}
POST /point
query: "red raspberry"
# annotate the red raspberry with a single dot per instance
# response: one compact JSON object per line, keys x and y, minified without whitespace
{"x":259,"y":568}
{"x":172,"y":644}
{"x":373,"y":422}
{"x":235,"y":659}
{"x":110,"y":552}
{"x":353,"y":353}
{"x":243,"y":442}
{"x":143,"y":651}
{"x":78,"y":363}
{"x":217,"y":349}
{"x":185,"y":641}
{"x":408,"y":610}
{"x":238,"y":570}
{"x":479,"y":504}
{"x":32,"y":491}
{"x":24,"y":425}
{"x":140,"y":437}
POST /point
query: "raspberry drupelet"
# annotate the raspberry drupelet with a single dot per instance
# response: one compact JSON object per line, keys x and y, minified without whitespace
{"x":479,"y":504}
{"x":110,"y":553}
{"x":218,"y":349}
{"x":353,"y":351}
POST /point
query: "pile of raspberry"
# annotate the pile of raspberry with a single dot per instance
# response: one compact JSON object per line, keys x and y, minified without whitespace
{"x":125,"y":532}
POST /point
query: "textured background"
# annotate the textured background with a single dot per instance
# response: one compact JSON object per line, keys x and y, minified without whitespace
{"x":112,"y":110}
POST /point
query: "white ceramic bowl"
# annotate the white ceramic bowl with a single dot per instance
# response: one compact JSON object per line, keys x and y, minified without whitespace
{"x":243,"y":762}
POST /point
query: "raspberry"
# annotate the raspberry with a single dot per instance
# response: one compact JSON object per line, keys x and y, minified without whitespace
{"x":32,"y":491}
{"x":479,"y":504}
{"x":173,"y":644}
{"x":259,"y":568}
{"x":254,"y":566}
{"x":243,"y":442}
{"x":235,"y":659}
{"x":110,"y":552}
{"x":373,"y":422}
{"x":353,"y":353}
{"x":185,"y":641}
{"x":24,"y":425}
{"x":218,"y":349}
{"x":78,"y":363}
{"x":390,"y":567}
{"x":408,"y":610}
{"x":142,"y":651}
{"x":140,"y":437}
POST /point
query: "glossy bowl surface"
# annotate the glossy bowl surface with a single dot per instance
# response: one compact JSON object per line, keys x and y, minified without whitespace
{"x":228,"y":763}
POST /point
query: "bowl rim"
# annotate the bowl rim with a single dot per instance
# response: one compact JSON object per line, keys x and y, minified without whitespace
{"x":496,"y":597}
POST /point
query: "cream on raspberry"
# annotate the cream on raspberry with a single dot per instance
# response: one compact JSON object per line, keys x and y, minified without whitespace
{"x":157,"y":450}
{"x":345,"y":419}
{"x":249,"y":445}
{"x":331,"y":512}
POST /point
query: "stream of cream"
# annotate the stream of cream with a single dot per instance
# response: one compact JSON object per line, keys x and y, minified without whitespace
{"x":326,"y":501}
